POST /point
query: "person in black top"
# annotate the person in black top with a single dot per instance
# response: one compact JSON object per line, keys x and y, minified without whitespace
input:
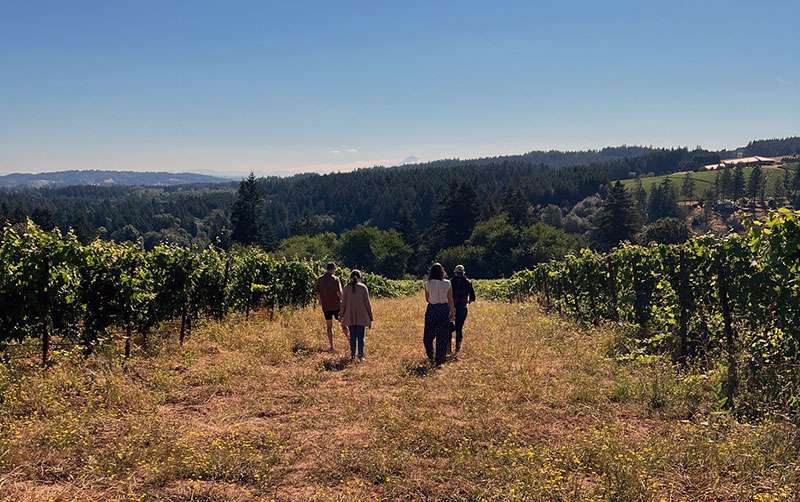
{"x":463,"y":294}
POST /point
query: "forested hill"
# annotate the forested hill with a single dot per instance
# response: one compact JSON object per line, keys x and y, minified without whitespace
{"x":415,"y":199}
{"x":307,"y":203}
{"x":104,"y":178}
{"x":382,"y":196}
{"x":773,"y":147}
{"x":550,"y":158}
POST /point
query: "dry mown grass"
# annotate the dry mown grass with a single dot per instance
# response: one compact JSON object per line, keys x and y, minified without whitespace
{"x":532,"y":410}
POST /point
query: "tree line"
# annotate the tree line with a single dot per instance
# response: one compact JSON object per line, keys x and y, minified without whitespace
{"x":451,"y":210}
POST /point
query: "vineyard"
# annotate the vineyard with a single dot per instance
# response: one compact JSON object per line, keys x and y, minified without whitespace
{"x":533,"y":408}
{"x":717,"y":304}
{"x":56,"y":290}
{"x":728,"y":305}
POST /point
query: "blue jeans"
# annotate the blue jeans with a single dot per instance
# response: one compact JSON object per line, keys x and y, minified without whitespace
{"x":356,"y":340}
{"x":461,"y":316}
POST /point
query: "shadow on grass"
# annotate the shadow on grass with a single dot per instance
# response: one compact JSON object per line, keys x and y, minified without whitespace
{"x":418,"y":368}
{"x":300,"y":348}
{"x":336,"y":364}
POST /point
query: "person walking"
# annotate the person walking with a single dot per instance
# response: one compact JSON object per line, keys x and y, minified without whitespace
{"x":438,"y":315}
{"x":329,"y":295}
{"x":463,"y":295}
{"x":356,"y":314}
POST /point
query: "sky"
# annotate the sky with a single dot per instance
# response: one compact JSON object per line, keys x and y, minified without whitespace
{"x":283,"y":87}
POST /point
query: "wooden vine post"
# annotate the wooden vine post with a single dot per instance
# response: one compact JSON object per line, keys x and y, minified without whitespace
{"x":612,"y":290}
{"x":638,"y":313}
{"x":46,"y":324}
{"x":683,"y":300}
{"x":546,"y":296}
{"x":129,"y":318}
{"x":128,"y":334}
{"x":592,"y":287}
{"x":184,"y":322}
{"x":730,"y":341}
{"x":225,"y":279}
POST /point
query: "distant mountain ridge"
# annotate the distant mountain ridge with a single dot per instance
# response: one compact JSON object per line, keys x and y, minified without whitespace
{"x":551,"y":158}
{"x":104,"y":178}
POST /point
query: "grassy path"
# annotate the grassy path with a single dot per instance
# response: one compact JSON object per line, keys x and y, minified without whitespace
{"x":252,"y":410}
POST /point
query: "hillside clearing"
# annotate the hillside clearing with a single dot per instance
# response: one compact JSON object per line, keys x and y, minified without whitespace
{"x":704,"y":180}
{"x":251,"y":409}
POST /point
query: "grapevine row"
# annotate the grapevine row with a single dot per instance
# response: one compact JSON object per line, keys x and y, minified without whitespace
{"x":732,"y":301}
{"x":54,"y":287}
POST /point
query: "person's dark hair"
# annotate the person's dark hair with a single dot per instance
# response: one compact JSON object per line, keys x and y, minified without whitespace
{"x":437,"y":272}
{"x":355,"y":278}
{"x":330,"y":267}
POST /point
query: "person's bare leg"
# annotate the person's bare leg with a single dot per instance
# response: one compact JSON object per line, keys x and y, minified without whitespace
{"x":329,"y":325}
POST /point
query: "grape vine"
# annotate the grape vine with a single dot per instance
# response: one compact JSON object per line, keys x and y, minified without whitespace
{"x":732,"y":301}
{"x":52,"y":286}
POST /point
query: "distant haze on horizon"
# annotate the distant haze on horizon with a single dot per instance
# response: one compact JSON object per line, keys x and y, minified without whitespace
{"x":275,"y":88}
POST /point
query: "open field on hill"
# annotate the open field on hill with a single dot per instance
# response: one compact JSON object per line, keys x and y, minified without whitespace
{"x":533,"y":409}
{"x":705,"y":180}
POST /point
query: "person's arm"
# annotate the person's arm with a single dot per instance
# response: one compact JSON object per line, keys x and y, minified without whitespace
{"x":451,"y":304}
{"x":367,"y":304}
{"x":472,"y":296}
{"x":427,"y":295}
{"x":343,"y":308}
{"x":339,"y":293}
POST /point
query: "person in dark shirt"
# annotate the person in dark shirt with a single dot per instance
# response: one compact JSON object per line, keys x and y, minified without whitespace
{"x":329,"y":295}
{"x":463,"y":295}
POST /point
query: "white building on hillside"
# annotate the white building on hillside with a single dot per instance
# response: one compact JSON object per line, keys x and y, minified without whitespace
{"x":744,"y":162}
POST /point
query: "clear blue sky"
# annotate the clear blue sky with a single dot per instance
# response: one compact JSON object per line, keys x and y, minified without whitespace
{"x":230,"y":87}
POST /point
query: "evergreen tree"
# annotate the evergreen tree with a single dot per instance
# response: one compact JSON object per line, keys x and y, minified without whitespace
{"x":516,"y":206}
{"x":17,"y":215}
{"x":618,"y":219}
{"x":266,"y":233}
{"x":83,"y":229}
{"x":641,"y":198}
{"x":755,"y":184}
{"x":738,"y":183}
{"x":217,"y":226}
{"x":662,"y":202}
{"x":44,"y":218}
{"x":246,"y":212}
{"x":407,"y":226}
{"x":716,"y":189}
{"x":787,"y":182}
{"x":708,"y":211}
{"x":794,"y":189}
{"x":725,"y":183}
{"x":779,"y":189}
{"x":687,"y":188}
{"x":457,"y":215}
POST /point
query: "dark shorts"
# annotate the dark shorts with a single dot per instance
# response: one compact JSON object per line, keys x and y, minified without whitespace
{"x":330,"y":314}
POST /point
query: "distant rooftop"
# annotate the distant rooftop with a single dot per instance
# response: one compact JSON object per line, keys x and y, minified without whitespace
{"x":746,"y":161}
